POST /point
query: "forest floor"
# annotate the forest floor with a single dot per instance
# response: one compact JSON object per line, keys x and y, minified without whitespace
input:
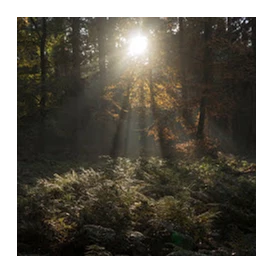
{"x":204,"y":206}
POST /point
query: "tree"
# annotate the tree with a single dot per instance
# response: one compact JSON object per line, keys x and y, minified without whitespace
{"x":76,"y":59}
{"x":207,"y":77}
{"x":101,"y":24}
{"x":40,"y":26}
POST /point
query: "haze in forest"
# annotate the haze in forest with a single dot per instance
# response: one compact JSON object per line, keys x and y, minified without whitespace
{"x":147,"y":94}
{"x":120,"y":86}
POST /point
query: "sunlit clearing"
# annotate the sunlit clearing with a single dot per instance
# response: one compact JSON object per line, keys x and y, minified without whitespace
{"x":137,"y":45}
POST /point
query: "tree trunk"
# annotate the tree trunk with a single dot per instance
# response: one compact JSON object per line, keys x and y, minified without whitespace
{"x":60,"y":60}
{"x":127,"y":137}
{"x":186,"y":113}
{"x":253,"y":35}
{"x":43,"y":85}
{"x":76,"y":83}
{"x":102,"y":51}
{"x":76,"y":60}
{"x":43,"y":66}
{"x":252,"y":137}
{"x":228,"y":24}
{"x":142,"y":124}
{"x":206,"y":78}
{"x":111,"y":50}
{"x":165,"y":147}
{"x":101,"y":29}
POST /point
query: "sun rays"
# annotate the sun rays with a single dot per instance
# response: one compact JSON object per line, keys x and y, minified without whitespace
{"x":137,"y":45}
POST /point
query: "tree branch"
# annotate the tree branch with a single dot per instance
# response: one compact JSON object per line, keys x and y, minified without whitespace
{"x":36,"y":27}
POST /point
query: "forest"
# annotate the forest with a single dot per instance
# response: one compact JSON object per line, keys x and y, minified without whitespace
{"x":136,"y":136}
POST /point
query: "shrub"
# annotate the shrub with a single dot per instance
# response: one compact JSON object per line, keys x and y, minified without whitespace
{"x":152,"y":196}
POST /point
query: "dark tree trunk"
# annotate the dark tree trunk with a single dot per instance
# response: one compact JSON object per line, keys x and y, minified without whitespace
{"x":201,"y":124}
{"x":61,"y":60}
{"x":206,"y":77}
{"x":127,"y":133}
{"x":101,"y":32}
{"x":165,"y":146}
{"x":186,"y":113}
{"x":43,"y":66}
{"x":253,"y":35}
{"x":252,"y":136}
{"x":43,"y":76}
{"x":182,"y":54}
{"x":111,"y":50}
{"x":228,"y":24}
{"x":142,"y":125}
{"x":244,"y":117}
{"x":101,"y":22}
{"x":76,"y":91}
{"x":76,"y":59}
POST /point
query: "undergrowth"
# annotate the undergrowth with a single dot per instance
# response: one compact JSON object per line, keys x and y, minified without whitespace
{"x":140,"y":207}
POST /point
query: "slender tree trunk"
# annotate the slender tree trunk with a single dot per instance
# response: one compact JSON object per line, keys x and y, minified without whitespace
{"x":142,"y":124}
{"x":76,"y":60}
{"x":101,"y":30}
{"x":76,"y":83}
{"x":182,"y":55}
{"x":111,"y":50}
{"x":43,"y":66}
{"x":61,"y":60}
{"x":252,"y":136}
{"x":166,"y":149}
{"x":253,"y":35}
{"x":228,"y":24}
{"x":43,"y":76}
{"x":230,"y":85}
{"x":206,"y":78}
{"x":127,"y":133}
{"x":186,"y":114}
{"x":102,"y":51}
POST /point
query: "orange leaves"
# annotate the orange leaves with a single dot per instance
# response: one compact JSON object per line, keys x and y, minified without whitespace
{"x":108,"y":95}
{"x":22,"y":21}
{"x":193,"y":146}
{"x":169,"y":135}
{"x":164,"y":97}
{"x":185,"y":147}
{"x":167,"y":132}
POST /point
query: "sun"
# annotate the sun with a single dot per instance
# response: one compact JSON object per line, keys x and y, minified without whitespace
{"x":137,"y":45}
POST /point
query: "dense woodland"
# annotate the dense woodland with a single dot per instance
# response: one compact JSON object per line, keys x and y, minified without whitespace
{"x":148,"y":152}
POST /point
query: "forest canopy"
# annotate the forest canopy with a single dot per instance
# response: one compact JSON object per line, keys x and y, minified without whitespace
{"x":125,"y":85}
